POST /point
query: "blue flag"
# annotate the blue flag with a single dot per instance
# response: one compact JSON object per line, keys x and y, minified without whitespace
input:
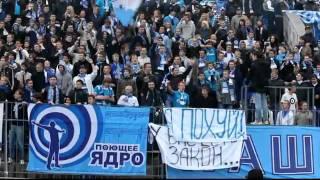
{"x":125,"y":10}
{"x":88,"y":139}
{"x":310,"y":17}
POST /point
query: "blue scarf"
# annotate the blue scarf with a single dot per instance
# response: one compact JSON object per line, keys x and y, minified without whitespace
{"x":50,"y":94}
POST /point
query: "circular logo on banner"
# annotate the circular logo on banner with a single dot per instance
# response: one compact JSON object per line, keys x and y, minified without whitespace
{"x":64,"y":132}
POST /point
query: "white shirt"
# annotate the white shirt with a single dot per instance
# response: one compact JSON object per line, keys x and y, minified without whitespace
{"x":250,"y":43}
{"x":292,"y":98}
{"x":143,"y":60}
{"x":228,"y":57}
{"x":125,"y":100}
{"x":68,"y":67}
{"x":186,"y":61}
{"x":273,"y":65}
{"x":24,"y":53}
{"x":88,"y":78}
{"x":285,"y":119}
{"x":270,"y":117}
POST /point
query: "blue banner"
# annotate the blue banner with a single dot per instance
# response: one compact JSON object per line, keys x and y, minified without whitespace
{"x":88,"y":139}
{"x":310,"y":17}
{"x":125,"y":10}
{"x":279,"y":151}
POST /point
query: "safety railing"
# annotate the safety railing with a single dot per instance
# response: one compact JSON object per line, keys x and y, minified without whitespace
{"x":296,"y":117}
{"x":274,"y":95}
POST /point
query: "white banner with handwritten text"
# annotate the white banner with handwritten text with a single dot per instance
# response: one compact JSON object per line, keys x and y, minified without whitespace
{"x":206,"y":125}
{"x":196,"y":155}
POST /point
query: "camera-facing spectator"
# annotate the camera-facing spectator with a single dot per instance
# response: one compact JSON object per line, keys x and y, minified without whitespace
{"x":285,"y":116}
{"x":127,"y":98}
{"x":79,"y":95}
{"x":304,"y":117}
{"x":291,"y":96}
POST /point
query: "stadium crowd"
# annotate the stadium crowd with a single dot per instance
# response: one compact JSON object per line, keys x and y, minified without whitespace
{"x":176,"y":53}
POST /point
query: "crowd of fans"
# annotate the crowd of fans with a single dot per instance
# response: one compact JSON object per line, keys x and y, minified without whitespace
{"x":176,"y":53}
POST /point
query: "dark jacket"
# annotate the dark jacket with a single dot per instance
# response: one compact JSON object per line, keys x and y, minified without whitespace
{"x":231,"y":9}
{"x":307,"y":70}
{"x":39,"y":81}
{"x":140,"y":39}
{"x":302,"y":94}
{"x":5,"y":92}
{"x":274,"y":93}
{"x":151,"y":98}
{"x":256,"y":7}
{"x":317,"y":92}
{"x":27,"y":95}
{"x":241,"y":33}
{"x":77,"y":65}
{"x":10,"y":74}
{"x":156,"y":59}
{"x":59,"y":9}
{"x":78,"y":96}
{"x":142,"y":83}
{"x":287,"y":71}
{"x":202,"y":102}
{"x":45,"y":95}
{"x":99,"y":80}
{"x":97,"y":20}
{"x":308,"y":37}
{"x":259,"y":75}
{"x":260,"y":36}
{"x":17,"y":112}
{"x":238,"y":80}
{"x":174,"y":80}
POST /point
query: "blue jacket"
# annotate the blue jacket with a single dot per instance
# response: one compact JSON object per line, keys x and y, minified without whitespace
{"x":114,"y":70}
{"x":174,"y":21}
{"x":211,"y":78}
{"x":180,"y":99}
{"x":212,"y":55}
{"x":27,"y":96}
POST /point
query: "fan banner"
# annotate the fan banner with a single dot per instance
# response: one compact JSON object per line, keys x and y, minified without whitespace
{"x":206,"y":125}
{"x":196,"y":156}
{"x":86,"y":139}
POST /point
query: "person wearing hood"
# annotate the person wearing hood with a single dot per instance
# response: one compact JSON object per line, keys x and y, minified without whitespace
{"x":125,"y":81}
{"x":64,"y":80}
